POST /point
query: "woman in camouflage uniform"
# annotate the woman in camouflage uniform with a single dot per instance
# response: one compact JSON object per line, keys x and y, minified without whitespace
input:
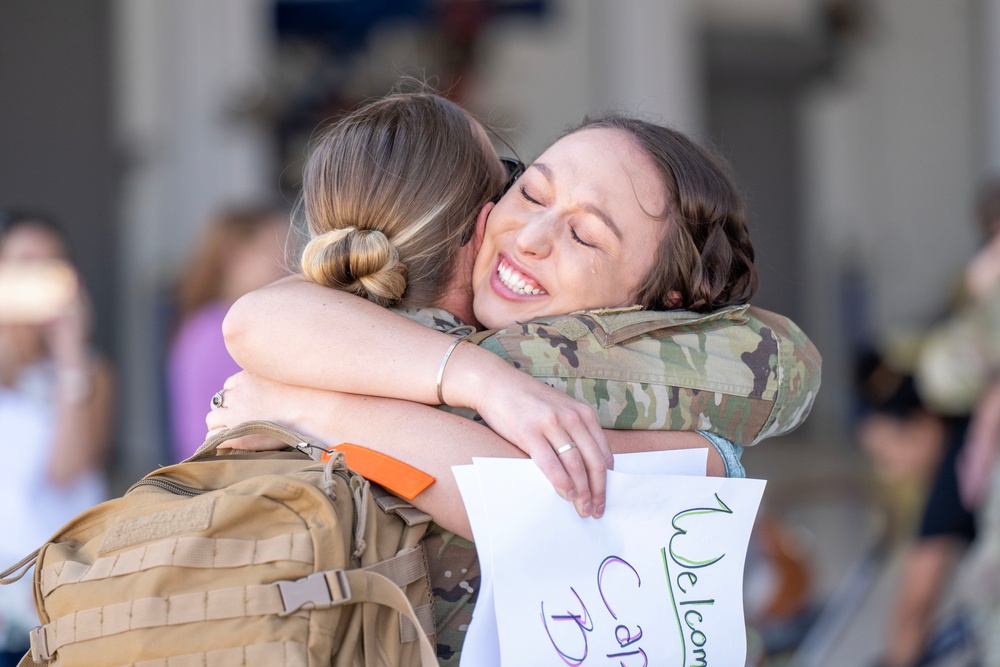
{"x":605,"y":218}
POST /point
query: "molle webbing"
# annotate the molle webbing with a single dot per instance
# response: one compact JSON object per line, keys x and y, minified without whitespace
{"x":317,"y":591}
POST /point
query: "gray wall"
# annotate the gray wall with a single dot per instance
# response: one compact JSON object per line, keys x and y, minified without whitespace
{"x":55,"y":131}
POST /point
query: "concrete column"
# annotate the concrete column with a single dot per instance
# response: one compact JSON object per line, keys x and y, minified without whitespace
{"x":180,"y":66}
{"x":647,"y":58}
{"x":989,"y":82}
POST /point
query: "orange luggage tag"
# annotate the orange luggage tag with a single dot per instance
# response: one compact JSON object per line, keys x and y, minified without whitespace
{"x":401,"y":478}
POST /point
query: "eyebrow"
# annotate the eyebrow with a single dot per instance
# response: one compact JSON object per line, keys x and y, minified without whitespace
{"x":590,"y":208}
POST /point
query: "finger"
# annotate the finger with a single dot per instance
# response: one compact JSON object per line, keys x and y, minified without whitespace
{"x":545,"y":458}
{"x":231,"y":381}
{"x":215,"y":420}
{"x":596,"y":464}
{"x":255,"y":443}
{"x":572,"y":461}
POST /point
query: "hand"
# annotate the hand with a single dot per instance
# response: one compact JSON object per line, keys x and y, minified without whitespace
{"x":246,"y":396}
{"x":539,"y":420}
{"x":976,"y":463}
{"x":67,"y":334}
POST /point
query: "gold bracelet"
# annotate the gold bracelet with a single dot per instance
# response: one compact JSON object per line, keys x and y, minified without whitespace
{"x":444,"y":362}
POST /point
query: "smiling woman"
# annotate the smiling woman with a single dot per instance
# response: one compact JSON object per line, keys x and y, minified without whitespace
{"x":563,"y":240}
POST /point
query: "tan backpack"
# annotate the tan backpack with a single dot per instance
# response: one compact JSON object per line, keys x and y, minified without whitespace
{"x":238,"y":558}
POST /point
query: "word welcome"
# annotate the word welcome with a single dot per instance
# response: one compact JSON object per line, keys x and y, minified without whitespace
{"x":571,"y":632}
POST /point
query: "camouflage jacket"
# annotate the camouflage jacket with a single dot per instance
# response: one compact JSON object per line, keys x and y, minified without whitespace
{"x":740,"y":372}
{"x":961,"y":357}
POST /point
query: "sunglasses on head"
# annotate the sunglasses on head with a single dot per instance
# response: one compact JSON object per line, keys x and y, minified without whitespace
{"x":514,"y":169}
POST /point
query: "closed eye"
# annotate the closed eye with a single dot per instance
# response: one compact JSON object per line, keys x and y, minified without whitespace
{"x":529,"y":198}
{"x":579,"y":240}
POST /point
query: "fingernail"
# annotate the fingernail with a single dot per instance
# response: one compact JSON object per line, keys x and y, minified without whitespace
{"x":588,"y":509}
{"x":572,"y":494}
{"x":599,"y":512}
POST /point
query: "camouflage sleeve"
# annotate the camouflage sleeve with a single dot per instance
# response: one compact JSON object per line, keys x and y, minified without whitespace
{"x":961,"y":357}
{"x":742,"y":373}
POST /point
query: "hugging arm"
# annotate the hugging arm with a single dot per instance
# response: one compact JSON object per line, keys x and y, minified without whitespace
{"x":424,"y":437}
{"x":294,"y":332}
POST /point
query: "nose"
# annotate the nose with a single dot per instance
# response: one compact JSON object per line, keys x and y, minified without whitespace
{"x":535,"y":237}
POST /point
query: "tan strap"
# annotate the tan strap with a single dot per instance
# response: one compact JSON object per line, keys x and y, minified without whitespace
{"x":194,"y":552}
{"x":272,"y":654}
{"x":321,"y":590}
{"x":225,"y":603}
{"x":402,"y":569}
{"x":408,"y":633}
{"x":375,"y":588}
{"x":27,"y":661}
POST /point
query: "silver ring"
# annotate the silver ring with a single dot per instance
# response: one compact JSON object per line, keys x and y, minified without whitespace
{"x":217,"y":400}
{"x":565,"y":448}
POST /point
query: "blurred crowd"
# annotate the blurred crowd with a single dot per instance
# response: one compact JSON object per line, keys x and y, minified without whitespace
{"x":930,"y":423}
{"x":57,"y":392}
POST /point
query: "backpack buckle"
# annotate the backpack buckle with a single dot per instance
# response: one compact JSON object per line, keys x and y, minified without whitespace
{"x":316,"y":591}
{"x":39,"y":645}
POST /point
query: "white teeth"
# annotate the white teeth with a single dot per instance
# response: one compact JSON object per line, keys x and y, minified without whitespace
{"x":515,"y":281}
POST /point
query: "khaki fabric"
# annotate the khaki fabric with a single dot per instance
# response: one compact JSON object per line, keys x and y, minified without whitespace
{"x":239,"y":558}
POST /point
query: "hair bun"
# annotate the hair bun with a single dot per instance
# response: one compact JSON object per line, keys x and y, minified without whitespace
{"x":361,"y":261}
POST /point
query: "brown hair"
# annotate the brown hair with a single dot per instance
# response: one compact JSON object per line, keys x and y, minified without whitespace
{"x":202,"y":280}
{"x":389,"y":191}
{"x":705,"y":259}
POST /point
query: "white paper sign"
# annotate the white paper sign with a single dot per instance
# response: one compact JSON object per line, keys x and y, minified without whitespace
{"x":657,"y":581}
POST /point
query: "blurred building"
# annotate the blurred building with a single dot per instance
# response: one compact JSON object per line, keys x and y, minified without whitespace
{"x":860,"y":129}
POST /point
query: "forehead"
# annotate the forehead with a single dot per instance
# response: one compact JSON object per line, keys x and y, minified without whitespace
{"x":607,"y":166}
{"x":30,"y":241}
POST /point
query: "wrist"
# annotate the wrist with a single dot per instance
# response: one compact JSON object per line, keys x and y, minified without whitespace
{"x":465,"y":376}
{"x":74,"y":383}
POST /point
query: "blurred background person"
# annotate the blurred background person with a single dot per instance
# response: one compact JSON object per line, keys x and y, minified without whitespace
{"x":242,"y":248}
{"x":960,"y":369}
{"x":56,"y":406}
{"x":914,"y":452}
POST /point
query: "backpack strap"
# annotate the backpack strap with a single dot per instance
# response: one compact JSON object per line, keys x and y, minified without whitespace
{"x":273,"y":654}
{"x":378,"y":584}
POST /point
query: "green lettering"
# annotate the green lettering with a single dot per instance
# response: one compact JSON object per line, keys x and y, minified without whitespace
{"x":682,"y":560}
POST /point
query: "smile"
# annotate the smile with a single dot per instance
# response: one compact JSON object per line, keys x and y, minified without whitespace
{"x":515,"y":282}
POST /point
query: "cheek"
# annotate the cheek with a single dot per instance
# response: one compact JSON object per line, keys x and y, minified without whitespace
{"x":480,"y":267}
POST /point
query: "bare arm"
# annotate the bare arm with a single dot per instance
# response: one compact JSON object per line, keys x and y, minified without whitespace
{"x":267,"y":331}
{"x":83,"y":400}
{"x":426,"y":438}
{"x":294,"y":332}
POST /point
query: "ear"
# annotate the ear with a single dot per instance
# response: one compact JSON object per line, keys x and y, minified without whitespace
{"x":481,"y":224}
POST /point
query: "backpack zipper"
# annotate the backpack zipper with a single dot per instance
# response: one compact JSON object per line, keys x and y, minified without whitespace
{"x":166,"y":485}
